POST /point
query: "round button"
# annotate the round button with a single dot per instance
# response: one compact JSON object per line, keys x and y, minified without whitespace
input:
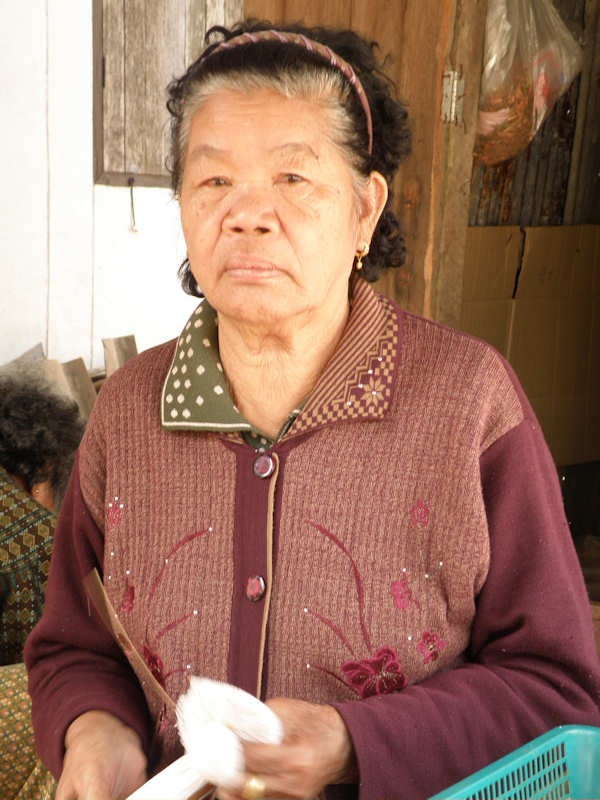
{"x":263,"y":466}
{"x":255,"y":588}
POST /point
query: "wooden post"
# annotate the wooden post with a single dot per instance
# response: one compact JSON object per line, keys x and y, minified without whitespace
{"x":73,"y":380}
{"x":453,"y":166}
{"x":117,"y":352}
{"x":583,"y":192}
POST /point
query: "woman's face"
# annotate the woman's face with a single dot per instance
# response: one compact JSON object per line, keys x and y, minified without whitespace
{"x":270,"y":212}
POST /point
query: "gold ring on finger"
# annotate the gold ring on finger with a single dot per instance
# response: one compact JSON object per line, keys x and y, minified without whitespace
{"x":254,"y":788}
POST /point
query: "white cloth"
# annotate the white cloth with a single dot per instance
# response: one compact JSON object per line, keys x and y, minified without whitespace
{"x":213,"y":719}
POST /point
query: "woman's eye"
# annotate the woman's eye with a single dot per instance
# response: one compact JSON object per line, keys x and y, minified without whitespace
{"x":291,"y":177}
{"x":217,"y":181}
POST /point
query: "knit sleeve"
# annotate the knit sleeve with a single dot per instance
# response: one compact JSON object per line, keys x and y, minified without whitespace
{"x":73,"y":662}
{"x":532,"y":662}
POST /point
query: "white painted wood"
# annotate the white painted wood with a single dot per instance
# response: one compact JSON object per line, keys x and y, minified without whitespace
{"x":24,"y":195}
{"x":71,"y":180}
{"x":136,"y":290}
{"x":104,"y":280}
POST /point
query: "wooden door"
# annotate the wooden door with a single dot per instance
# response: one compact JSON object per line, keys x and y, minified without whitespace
{"x":422,"y":40}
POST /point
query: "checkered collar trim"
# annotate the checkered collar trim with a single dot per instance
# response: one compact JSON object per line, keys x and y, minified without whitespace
{"x":357,"y":383}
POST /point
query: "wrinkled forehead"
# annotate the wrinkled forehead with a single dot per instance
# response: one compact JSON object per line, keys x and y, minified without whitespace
{"x":309,"y":115}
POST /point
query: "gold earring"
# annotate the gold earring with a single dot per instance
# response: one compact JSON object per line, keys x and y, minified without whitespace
{"x":360,"y":254}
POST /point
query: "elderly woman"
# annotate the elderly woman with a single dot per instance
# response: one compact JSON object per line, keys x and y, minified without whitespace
{"x":340,"y":507}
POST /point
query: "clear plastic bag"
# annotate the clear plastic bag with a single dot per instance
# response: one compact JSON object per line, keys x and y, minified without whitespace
{"x":530,"y":60}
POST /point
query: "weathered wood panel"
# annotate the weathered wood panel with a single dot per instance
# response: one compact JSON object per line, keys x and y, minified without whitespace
{"x":173,"y":64}
{"x":195,"y":29}
{"x":316,"y":12}
{"x":112,"y":80}
{"x":136,"y":88}
{"x":144,"y":44}
{"x":583,"y":197}
{"x":450,"y":216}
{"x":273,"y":10}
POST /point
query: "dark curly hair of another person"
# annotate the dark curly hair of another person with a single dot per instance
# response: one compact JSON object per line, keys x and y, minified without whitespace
{"x":40,"y":430}
{"x":391,"y":134}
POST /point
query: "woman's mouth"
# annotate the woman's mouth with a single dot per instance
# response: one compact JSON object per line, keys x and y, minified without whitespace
{"x":251,"y":267}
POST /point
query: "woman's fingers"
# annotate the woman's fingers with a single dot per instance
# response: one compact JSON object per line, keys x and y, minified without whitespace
{"x":316,"y":751}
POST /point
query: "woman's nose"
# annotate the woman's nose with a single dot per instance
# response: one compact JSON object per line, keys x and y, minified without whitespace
{"x":251,"y":211}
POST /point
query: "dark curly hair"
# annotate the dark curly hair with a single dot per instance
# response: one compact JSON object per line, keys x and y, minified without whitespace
{"x":40,"y":430}
{"x":274,"y":60}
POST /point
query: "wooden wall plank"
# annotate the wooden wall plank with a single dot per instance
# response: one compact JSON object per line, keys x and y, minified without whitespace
{"x":453,"y":164}
{"x":113,"y":106}
{"x":173,"y":49}
{"x":233,"y":11}
{"x":273,"y":10}
{"x":98,"y":89}
{"x":195,"y":28}
{"x":135,"y":86}
{"x":214,"y":13}
{"x":583,"y":196}
{"x":316,"y":12}
{"x":156,"y":49}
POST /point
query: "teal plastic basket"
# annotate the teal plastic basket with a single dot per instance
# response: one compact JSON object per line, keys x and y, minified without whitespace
{"x":563,"y":763}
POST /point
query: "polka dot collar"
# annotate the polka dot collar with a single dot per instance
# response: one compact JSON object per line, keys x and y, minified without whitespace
{"x":195,"y":393}
{"x":357,"y":383}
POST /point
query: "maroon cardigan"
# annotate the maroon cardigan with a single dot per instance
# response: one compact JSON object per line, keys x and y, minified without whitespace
{"x":418,"y":570}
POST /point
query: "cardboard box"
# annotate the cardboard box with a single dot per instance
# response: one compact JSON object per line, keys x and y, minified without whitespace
{"x":492,"y":259}
{"x":535,"y":295}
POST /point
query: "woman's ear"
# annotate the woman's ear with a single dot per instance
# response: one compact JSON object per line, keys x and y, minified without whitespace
{"x":44,"y":493}
{"x":374,"y":196}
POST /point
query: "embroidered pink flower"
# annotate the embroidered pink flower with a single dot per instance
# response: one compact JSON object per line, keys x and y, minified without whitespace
{"x":420,"y":514}
{"x":430,"y":646}
{"x":402,"y":594}
{"x":128,"y":598}
{"x":380,"y":674}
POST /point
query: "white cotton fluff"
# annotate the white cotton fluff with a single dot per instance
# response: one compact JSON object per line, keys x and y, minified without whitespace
{"x":214,"y":750}
{"x":213,"y":719}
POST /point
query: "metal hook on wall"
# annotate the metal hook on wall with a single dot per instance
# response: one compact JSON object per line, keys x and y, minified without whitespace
{"x":132,"y":228}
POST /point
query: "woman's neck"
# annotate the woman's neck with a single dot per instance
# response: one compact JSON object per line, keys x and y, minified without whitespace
{"x":272,"y":370}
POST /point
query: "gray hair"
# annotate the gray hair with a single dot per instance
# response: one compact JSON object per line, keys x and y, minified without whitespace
{"x":329,"y":89}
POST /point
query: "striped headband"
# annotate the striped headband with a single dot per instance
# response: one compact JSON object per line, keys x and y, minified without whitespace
{"x":313,"y":47}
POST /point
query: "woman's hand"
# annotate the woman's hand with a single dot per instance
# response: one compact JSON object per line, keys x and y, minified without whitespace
{"x":104,"y":759}
{"x":316,"y":751}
